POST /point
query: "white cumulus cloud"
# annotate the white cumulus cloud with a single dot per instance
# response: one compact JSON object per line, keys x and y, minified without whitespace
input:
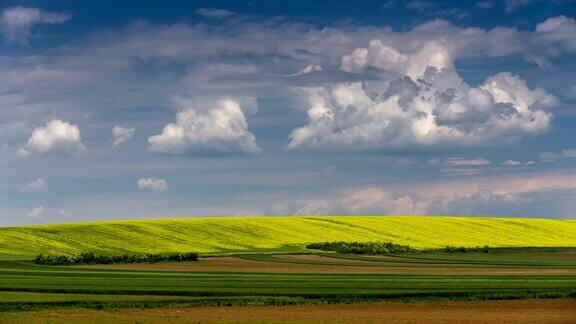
{"x":152,"y":184}
{"x":38,"y":185}
{"x":420,"y":100}
{"x":56,"y":136}
{"x":222,"y":130}
{"x":376,"y":55}
{"x":121,"y":134}
{"x":16,"y":23}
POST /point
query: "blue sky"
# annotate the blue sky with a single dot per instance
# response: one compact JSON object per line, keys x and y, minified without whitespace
{"x":174,"y":108}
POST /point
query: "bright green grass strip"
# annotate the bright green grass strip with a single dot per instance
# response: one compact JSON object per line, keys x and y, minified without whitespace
{"x":278,"y":234}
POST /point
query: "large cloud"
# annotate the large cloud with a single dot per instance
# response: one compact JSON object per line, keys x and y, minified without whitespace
{"x":258,"y":59}
{"x":16,"y":23}
{"x":221,"y":130}
{"x":56,"y":136}
{"x":420,"y":100}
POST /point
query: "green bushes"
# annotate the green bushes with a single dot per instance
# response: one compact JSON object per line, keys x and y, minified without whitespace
{"x":391,"y":248}
{"x":361,"y":247}
{"x":461,"y":249}
{"x":93,"y":258}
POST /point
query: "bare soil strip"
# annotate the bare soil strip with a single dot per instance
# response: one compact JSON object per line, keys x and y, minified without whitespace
{"x":503,"y":311}
{"x":330,"y":265}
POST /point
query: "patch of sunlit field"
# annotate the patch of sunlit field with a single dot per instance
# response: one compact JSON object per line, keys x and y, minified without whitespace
{"x":229,"y":235}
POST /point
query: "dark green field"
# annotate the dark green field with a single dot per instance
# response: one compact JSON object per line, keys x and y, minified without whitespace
{"x":289,"y":279}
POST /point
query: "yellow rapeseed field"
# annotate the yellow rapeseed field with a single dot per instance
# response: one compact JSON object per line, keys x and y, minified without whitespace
{"x":222,"y":235}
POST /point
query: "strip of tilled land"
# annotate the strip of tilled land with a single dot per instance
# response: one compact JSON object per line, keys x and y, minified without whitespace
{"x":320,"y":264}
{"x":504,"y":311}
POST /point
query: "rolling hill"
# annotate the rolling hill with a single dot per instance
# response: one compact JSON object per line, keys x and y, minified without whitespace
{"x":222,"y":235}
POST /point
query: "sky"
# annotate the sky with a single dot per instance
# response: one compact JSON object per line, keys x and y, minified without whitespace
{"x":141,"y":109}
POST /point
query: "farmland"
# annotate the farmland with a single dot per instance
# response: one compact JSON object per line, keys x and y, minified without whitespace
{"x":232,"y":235}
{"x":347,"y":278}
{"x":256,"y":262}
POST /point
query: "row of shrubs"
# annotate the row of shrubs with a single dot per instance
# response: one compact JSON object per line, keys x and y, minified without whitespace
{"x":461,"y":249}
{"x":93,"y":258}
{"x":361,"y":247}
{"x":387,"y":248}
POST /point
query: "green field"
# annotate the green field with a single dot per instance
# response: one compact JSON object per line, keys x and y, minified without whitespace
{"x":251,"y":266}
{"x":26,"y":286}
{"x":229,"y":235}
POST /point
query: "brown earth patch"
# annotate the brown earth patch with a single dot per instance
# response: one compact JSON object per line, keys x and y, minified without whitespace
{"x":236,"y":264}
{"x":503,"y":311}
{"x":328,"y":259}
{"x":369,"y":260}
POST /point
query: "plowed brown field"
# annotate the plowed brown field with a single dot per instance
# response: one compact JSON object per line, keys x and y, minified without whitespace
{"x":503,"y":311}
